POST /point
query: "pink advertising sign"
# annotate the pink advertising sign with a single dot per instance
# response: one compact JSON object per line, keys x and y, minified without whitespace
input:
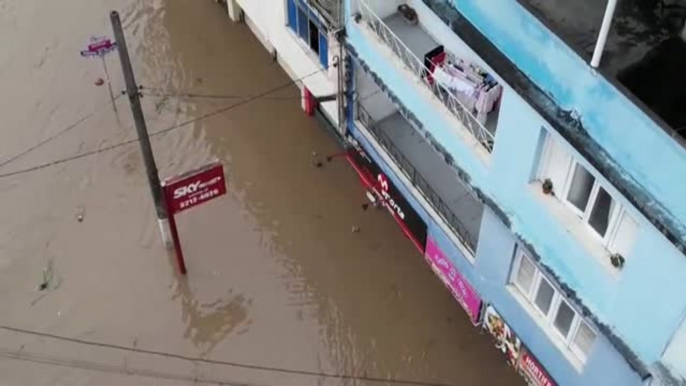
{"x":448,"y":273}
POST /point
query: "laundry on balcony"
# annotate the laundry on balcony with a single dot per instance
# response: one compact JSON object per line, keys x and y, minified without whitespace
{"x":477,"y":90}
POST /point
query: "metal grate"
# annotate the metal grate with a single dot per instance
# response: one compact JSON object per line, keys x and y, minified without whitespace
{"x":460,"y":230}
{"x":416,"y":66}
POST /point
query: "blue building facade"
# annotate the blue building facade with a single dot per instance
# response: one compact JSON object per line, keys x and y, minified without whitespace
{"x":555,"y":200}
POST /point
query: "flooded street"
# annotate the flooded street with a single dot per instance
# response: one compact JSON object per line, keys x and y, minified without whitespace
{"x":278,"y":283}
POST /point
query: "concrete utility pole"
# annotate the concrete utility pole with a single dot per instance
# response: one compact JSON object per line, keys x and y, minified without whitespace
{"x":141,"y":128}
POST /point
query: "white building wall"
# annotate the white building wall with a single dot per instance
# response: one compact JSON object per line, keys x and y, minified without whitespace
{"x":270,"y":25}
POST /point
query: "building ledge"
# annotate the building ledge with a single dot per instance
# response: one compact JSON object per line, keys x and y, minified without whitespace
{"x":577,"y":228}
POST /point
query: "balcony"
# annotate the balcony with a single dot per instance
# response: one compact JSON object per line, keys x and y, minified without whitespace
{"x":437,"y":182}
{"x":410,"y":43}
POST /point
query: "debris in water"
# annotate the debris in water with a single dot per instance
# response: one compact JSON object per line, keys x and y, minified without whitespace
{"x":314,"y":160}
{"x":80,"y":212}
{"x":47,"y":277}
{"x":49,"y":283}
{"x":355,"y":229}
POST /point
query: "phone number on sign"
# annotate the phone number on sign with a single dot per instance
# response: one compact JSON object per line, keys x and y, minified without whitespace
{"x":197,"y":199}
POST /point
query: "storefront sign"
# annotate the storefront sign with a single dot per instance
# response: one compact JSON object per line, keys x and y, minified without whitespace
{"x":446,"y":270}
{"x":188,"y":190}
{"x":194,"y":188}
{"x":506,"y":340}
{"x":374,"y":179}
{"x":534,"y":372}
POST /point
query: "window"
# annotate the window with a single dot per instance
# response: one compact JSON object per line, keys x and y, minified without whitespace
{"x":314,"y":37}
{"x":544,"y":296}
{"x":307,"y":26}
{"x":559,"y":317}
{"x":579,"y":188}
{"x":525,"y":275}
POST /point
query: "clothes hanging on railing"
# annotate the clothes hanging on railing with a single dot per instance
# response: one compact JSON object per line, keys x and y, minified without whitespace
{"x":476,"y":89}
{"x":432,"y":59}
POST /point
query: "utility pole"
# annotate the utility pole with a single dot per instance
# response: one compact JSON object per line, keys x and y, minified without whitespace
{"x":141,"y":128}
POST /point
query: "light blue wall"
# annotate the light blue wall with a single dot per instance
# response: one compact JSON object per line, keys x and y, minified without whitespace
{"x":652,"y":267}
{"x":489,"y":276}
{"x":604,"y":366}
{"x":630,"y":137}
{"x":655,"y":264}
{"x":651,"y":283}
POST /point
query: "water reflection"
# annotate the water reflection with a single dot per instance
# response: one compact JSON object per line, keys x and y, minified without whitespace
{"x":209,"y":323}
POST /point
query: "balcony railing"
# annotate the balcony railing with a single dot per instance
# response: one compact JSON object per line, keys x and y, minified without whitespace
{"x":459,"y":229}
{"x":416,"y":66}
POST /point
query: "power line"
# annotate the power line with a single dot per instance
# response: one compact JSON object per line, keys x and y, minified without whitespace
{"x":63,"y":160}
{"x":174,"y":127}
{"x":176,"y":94}
{"x":59,"y":133}
{"x":220,"y":362}
{"x":116,"y":369}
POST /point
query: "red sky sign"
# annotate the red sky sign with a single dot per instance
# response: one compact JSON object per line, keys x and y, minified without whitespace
{"x":195,"y":187}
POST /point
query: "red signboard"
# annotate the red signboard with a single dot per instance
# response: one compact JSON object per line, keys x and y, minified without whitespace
{"x":534,"y":372}
{"x":195,"y":187}
{"x":188,"y":190}
{"x":99,"y":46}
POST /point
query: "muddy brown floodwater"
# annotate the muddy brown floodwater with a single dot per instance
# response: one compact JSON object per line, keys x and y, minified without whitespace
{"x":276,"y":277}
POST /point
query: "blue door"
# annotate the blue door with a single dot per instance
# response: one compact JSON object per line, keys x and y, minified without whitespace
{"x":303,"y":25}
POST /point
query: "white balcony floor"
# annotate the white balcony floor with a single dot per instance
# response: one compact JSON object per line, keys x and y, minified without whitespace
{"x":414,"y":37}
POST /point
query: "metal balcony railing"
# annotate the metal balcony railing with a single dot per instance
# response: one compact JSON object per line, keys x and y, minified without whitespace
{"x":459,"y":229}
{"x":417,"y":67}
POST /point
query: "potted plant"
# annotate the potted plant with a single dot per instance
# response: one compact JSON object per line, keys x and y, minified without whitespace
{"x":408,"y":13}
{"x":617,"y":260}
{"x":548,"y":186}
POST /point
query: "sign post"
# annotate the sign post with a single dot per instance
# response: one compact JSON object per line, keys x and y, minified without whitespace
{"x":99,"y":47}
{"x":188,"y":190}
{"x":139,"y":121}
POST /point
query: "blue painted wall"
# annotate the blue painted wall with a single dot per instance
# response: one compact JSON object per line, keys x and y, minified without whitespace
{"x":652,"y":280}
{"x":605,"y":366}
{"x":489,"y":276}
{"x":631,"y":138}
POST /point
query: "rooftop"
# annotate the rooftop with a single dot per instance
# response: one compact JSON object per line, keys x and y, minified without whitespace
{"x":644,"y":50}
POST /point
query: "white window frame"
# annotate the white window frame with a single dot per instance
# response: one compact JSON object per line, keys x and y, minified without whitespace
{"x":548,"y":320}
{"x":617,"y":212}
{"x":586,"y":214}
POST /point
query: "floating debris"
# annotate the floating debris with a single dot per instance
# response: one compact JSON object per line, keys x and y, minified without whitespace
{"x":47,"y":277}
{"x":80,"y":213}
{"x":50,"y":282}
{"x":315,"y":162}
{"x":355,"y":229}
